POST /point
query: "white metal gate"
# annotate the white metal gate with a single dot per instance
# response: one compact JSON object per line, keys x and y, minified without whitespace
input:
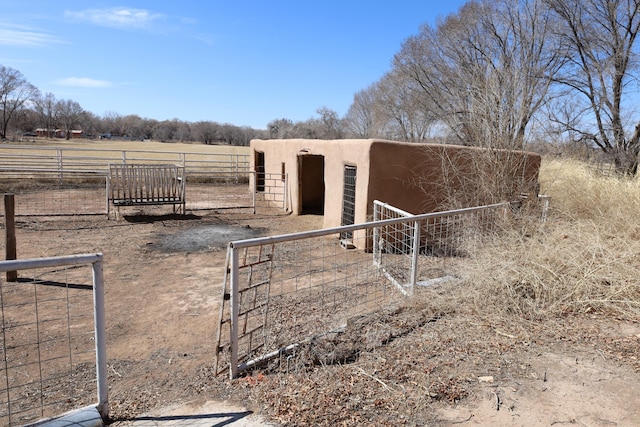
{"x":283,"y":292}
{"x":52,"y":340}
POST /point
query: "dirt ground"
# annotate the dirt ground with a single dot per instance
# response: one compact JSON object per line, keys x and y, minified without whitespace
{"x":163,"y":278}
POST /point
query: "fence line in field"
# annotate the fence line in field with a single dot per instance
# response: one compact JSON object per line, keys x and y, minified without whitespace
{"x":79,"y":195}
{"x":18,"y":160}
{"x":52,"y":341}
{"x":72,"y":181}
{"x":283,"y":292}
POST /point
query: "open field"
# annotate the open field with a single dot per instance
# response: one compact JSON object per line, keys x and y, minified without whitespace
{"x":92,"y":157}
{"x":112,"y":144}
{"x":542,"y":329}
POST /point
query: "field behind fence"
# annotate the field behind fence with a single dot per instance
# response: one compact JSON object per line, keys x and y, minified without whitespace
{"x":72,"y":180}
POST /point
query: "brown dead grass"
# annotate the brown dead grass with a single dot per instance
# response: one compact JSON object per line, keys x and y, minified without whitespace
{"x":585,"y":259}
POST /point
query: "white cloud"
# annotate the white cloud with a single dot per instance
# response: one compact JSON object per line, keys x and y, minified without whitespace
{"x":119,"y":17}
{"x":83,"y":82}
{"x":23,"y":36}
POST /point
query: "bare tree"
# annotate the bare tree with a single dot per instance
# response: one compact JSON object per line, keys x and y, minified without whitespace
{"x":600,"y":38}
{"x":45,"y":107}
{"x":359,"y":120}
{"x":401,"y":111}
{"x":486,"y":70}
{"x":90,"y":124}
{"x":205,"y":132}
{"x":15,"y":91}
{"x":331,"y":125}
{"x":183,"y":131}
{"x":165,"y":130}
{"x":68,"y":113}
{"x":280,"y":128}
{"x":135,"y":127}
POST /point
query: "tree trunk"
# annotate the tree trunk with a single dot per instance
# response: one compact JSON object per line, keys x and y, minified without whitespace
{"x":626,"y":162}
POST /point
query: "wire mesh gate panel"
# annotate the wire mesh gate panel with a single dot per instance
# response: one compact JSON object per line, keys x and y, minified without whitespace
{"x":285,"y":291}
{"x":395,"y":248}
{"x":271,"y":190}
{"x":52,"y":347}
{"x":424,"y":248}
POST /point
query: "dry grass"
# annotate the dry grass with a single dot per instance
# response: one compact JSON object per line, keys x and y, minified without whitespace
{"x":584,"y":259}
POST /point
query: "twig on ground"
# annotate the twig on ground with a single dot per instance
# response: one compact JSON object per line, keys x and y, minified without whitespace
{"x":114,"y":371}
{"x":362,"y":371}
{"x":571,"y":421}
{"x":504,"y":334}
{"x":462,"y":421}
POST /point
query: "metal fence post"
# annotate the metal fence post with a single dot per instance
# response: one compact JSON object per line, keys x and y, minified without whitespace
{"x":285,"y":194}
{"x":101,"y":346}
{"x":376,"y":234}
{"x":233,"y":339}
{"x":254,"y":191}
{"x":416,"y":252}
{"x":237,"y":171}
{"x":60,"y":165}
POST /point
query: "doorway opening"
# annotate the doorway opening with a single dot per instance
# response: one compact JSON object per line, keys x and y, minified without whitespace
{"x":311,"y":184}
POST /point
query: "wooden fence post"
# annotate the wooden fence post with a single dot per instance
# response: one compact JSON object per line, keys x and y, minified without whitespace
{"x":10,"y":233}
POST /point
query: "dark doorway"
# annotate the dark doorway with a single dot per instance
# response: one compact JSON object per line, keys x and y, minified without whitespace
{"x":311,"y":184}
{"x":259,"y":168}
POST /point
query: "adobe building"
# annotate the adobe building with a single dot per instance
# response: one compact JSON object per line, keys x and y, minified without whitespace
{"x":340,"y":179}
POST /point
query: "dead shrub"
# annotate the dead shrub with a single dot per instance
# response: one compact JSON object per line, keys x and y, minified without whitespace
{"x":470,"y":176}
{"x":584,"y":259}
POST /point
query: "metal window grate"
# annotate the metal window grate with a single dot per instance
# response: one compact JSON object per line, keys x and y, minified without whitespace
{"x":348,"y":201}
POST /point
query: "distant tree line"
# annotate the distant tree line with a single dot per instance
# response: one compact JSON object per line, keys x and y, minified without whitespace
{"x":23,"y":109}
{"x":497,"y":73}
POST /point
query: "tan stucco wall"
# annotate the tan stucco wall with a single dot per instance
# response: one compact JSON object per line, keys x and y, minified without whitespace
{"x":412,"y":176}
{"x":337,"y":154}
{"x":406,"y":175}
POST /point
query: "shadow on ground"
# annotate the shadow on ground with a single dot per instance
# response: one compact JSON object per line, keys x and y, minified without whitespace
{"x":199,"y":420}
{"x":150,"y":219}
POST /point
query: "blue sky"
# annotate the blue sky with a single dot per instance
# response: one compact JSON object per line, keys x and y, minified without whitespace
{"x":239,"y":62}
